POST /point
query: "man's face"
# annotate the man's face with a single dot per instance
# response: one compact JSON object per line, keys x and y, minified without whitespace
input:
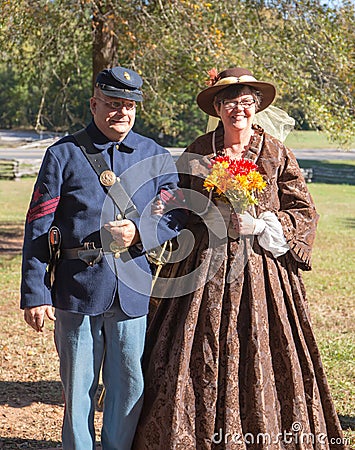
{"x":113,"y":116}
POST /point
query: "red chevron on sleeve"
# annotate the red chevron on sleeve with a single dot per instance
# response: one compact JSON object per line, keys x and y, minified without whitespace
{"x":42,"y":209}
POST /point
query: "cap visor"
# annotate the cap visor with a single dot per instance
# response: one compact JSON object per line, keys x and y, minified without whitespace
{"x":128,"y":95}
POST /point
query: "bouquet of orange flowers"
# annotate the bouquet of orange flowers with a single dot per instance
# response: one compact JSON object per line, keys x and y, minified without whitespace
{"x":235,"y":181}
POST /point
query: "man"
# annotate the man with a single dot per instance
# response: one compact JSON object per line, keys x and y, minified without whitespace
{"x":102,"y":275}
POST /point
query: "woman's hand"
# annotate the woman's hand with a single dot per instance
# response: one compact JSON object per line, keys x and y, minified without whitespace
{"x":245,"y":224}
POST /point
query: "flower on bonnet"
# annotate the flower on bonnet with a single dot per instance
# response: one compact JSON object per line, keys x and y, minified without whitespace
{"x":213,"y":74}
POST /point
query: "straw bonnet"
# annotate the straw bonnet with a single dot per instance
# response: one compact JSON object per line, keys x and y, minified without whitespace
{"x":229,"y":77}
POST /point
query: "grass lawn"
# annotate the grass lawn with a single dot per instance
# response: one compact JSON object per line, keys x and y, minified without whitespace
{"x":330,"y":286}
{"x":28,"y":361}
{"x":300,"y":139}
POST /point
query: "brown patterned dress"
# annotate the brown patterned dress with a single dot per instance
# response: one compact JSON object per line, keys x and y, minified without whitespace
{"x":234,"y":364}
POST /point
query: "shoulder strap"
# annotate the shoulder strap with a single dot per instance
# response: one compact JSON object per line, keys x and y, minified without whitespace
{"x":108,"y":179}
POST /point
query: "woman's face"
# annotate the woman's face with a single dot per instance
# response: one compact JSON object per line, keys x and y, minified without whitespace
{"x":237,"y":113}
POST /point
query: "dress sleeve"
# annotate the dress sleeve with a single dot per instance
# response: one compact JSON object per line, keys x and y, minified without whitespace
{"x":297,"y":213}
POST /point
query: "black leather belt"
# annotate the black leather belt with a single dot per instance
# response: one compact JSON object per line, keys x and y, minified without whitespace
{"x":87,"y":253}
{"x":71,"y":253}
{"x":90,"y":254}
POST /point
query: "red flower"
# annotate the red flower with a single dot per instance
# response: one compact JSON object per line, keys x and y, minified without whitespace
{"x":242,"y":167}
{"x":235,"y":181}
{"x":236,"y":167}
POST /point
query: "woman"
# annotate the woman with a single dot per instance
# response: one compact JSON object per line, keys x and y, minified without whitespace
{"x":231,"y":361}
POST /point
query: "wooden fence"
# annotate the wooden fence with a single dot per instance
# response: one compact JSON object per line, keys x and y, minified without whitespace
{"x":14,"y":169}
{"x":337,"y":175}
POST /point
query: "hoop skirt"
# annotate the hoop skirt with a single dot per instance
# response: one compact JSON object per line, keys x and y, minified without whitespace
{"x":232,"y":363}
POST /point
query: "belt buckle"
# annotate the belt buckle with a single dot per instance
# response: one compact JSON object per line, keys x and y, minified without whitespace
{"x":117,"y":249}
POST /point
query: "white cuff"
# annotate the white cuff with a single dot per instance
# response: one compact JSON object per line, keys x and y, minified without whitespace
{"x":259,"y":226}
{"x":272,"y":238}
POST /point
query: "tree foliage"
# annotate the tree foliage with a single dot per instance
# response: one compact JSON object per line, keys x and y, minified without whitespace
{"x":44,"y":47}
{"x":52,"y":50}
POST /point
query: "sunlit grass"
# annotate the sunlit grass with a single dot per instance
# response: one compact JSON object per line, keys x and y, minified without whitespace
{"x":14,"y":200}
{"x":299,"y":139}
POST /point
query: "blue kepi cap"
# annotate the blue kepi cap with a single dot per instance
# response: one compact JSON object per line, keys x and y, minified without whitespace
{"x":120,"y":82}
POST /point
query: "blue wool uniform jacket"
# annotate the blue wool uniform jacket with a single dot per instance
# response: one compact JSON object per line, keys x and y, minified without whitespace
{"x":68,"y":194}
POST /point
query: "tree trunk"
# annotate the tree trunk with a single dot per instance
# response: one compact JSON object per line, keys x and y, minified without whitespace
{"x":104,"y":37}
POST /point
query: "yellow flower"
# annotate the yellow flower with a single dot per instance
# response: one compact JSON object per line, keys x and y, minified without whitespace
{"x":256,"y":181}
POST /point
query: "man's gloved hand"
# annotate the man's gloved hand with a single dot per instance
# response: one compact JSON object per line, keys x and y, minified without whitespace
{"x":245,"y":224}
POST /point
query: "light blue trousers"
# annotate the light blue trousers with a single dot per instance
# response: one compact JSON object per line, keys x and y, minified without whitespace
{"x":84,"y":343}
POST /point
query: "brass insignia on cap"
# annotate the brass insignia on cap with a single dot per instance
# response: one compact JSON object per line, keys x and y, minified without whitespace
{"x":107,"y":178}
{"x":127,"y":75}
